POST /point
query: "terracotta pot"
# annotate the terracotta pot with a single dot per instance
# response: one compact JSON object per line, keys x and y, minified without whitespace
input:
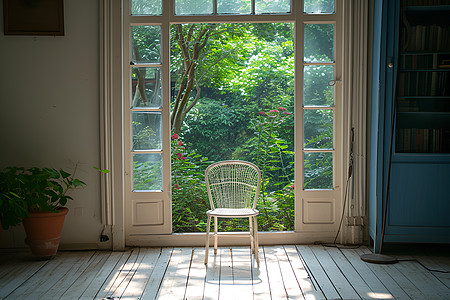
{"x":43,"y":231}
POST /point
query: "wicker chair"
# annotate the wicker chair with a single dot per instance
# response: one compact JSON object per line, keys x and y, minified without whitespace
{"x":233,"y":188}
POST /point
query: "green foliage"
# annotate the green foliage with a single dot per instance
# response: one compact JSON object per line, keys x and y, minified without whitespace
{"x":34,"y":189}
{"x":274,"y":155}
{"x":189,"y":198}
{"x":147,"y":175}
{"x":215,"y":129}
{"x":244,"y":69}
{"x":13,"y":208}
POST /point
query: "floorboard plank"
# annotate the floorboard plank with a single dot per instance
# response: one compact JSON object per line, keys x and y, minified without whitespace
{"x":176,"y":275}
{"x":385,"y":278}
{"x":197,"y":275}
{"x":242,"y":272}
{"x":340,"y":282}
{"x":406,"y":285}
{"x":46,"y":277}
{"x":439,"y":265}
{"x":290,"y":282}
{"x":226,"y":286}
{"x":351,"y":274}
{"x":25,"y":268}
{"x":318,"y":273}
{"x":212,"y":280}
{"x":157,"y":276}
{"x":302,"y":276}
{"x":277,"y":288}
{"x":142,"y":274}
{"x":109,"y":276}
{"x":73,"y":271}
{"x":378,"y":290}
{"x":128,"y":272}
{"x":261,"y":285}
{"x":82,"y":282}
{"x":423,"y":280}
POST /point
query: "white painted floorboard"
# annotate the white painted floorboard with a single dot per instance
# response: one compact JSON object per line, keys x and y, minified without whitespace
{"x":285,"y":272}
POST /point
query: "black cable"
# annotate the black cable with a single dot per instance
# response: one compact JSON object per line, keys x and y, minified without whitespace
{"x":350,"y":174}
{"x":425,"y":267}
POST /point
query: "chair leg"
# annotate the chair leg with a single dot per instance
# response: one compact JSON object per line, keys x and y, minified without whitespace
{"x":256,"y":240}
{"x":252,"y":234}
{"x":208,"y":224}
{"x":215,"y":235}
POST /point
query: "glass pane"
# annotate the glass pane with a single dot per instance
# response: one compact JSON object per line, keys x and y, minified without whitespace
{"x":316,"y":90}
{"x":318,"y":7}
{"x":318,"y":171}
{"x":146,"y":7}
{"x":146,"y":44}
{"x":319,"y":41}
{"x":147,"y":172}
{"x":193,"y":7}
{"x":272,"y":6}
{"x":234,"y":7}
{"x":146,"y":87}
{"x":318,"y":129}
{"x":146,"y":130}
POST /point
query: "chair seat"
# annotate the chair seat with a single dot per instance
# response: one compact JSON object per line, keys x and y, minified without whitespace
{"x":233,"y":212}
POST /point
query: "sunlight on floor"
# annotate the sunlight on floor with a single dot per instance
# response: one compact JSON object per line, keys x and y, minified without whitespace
{"x":380,"y":296}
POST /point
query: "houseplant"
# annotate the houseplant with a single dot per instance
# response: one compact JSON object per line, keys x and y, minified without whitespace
{"x":43,"y":192}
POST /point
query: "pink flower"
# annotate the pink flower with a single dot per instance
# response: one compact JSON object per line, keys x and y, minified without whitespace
{"x":183,"y":158}
{"x":175,"y":136}
{"x":274,"y":111}
{"x":179,"y":155}
{"x":292,"y":186}
{"x":262,"y":113}
{"x":180,"y":143}
{"x":287,"y":113}
{"x":281,"y":108}
{"x":176,"y":186}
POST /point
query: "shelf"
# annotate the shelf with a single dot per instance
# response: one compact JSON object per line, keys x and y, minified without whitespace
{"x":420,"y":158}
{"x":425,"y":52}
{"x":428,"y":15}
{"x":434,"y":114}
{"x":423,"y":97}
{"x":425,"y":70}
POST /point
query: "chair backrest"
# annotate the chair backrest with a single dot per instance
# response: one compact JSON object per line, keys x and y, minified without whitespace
{"x":233,"y":184}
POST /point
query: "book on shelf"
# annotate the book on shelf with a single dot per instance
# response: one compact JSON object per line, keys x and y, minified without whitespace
{"x":423,"y":140}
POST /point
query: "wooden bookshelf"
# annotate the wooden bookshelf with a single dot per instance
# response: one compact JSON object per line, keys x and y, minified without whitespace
{"x":423,"y":82}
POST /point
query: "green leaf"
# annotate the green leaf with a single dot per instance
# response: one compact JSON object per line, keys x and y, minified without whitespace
{"x":64,"y":174}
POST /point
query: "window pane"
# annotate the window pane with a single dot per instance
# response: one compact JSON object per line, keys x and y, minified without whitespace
{"x":318,"y":7}
{"x":316,"y":91}
{"x":318,"y":129}
{"x":234,"y":7}
{"x":193,"y":7}
{"x":146,"y":87}
{"x":146,"y":46}
{"x":147,"y":172}
{"x":319,"y":40}
{"x":146,"y":7}
{"x":272,"y":6}
{"x":318,"y":171}
{"x":146,"y":130}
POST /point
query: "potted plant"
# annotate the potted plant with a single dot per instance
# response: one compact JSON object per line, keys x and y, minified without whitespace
{"x":44,"y":194}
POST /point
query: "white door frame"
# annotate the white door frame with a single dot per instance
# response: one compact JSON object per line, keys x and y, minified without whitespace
{"x":112,"y":120}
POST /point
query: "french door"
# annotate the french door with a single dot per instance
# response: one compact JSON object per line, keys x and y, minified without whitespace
{"x":146,"y":106}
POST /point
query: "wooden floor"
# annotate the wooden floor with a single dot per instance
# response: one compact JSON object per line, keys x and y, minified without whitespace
{"x":290,"y":271}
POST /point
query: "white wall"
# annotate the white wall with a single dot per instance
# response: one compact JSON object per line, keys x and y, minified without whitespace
{"x":49,"y":113}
